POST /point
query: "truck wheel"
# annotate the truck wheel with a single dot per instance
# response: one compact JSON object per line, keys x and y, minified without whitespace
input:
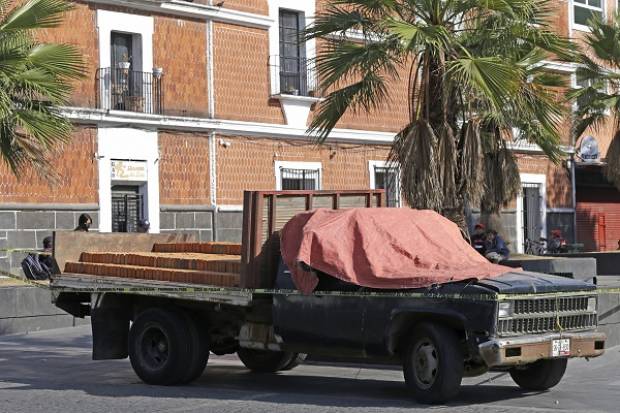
{"x":200,"y":349}
{"x":433,"y":364}
{"x":160,"y":346}
{"x":295,"y":361}
{"x":265,"y":361}
{"x":541,"y":375}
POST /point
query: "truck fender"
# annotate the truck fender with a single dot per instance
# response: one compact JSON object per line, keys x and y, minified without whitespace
{"x":403,"y":320}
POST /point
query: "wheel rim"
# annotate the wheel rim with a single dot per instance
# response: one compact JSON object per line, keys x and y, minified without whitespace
{"x":154,"y":347}
{"x":425,"y":363}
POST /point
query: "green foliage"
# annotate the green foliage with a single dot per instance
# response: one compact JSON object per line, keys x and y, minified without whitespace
{"x":34,"y":79}
{"x":601,"y":94}
{"x":475,"y":73}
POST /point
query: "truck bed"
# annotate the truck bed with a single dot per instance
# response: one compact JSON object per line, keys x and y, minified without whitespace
{"x":83,"y":283}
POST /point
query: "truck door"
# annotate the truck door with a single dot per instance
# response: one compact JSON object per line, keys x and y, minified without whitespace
{"x":320,"y":323}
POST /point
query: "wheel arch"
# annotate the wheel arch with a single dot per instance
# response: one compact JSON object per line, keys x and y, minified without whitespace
{"x":403,"y":321}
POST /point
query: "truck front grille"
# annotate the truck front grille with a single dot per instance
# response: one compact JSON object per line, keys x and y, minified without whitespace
{"x":548,"y":314}
{"x":537,"y":325}
{"x":550,"y":305}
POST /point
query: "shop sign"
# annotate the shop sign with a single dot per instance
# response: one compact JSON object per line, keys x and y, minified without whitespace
{"x":128,"y":170}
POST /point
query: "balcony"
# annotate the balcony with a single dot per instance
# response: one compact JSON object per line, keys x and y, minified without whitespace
{"x":293,"y":76}
{"x":130,"y":90}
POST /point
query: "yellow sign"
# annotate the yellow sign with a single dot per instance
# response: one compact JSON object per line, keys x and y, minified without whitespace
{"x":129,"y":171}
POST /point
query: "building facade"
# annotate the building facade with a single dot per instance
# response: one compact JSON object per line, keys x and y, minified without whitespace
{"x":187,"y":104}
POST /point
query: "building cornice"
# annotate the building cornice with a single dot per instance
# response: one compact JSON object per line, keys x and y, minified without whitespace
{"x":114,"y":118}
{"x":197,"y":11}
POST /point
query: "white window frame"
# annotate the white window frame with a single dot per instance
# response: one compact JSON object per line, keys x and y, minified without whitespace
{"x":278,"y":165}
{"x":308,"y":8}
{"x":140,"y":27}
{"x":540,"y":179}
{"x":571,"y":14}
{"x":384,"y":164}
{"x":575,"y":85}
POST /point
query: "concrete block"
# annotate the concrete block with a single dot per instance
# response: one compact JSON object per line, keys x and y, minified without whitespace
{"x":166,"y":220}
{"x":229,"y":220}
{"x":193,"y":232}
{"x":7,"y":220}
{"x":65,"y":220}
{"x":35,"y":219}
{"x":185,"y":220}
{"x":203,"y":220}
{"x":578,"y":268}
{"x":21,"y":239}
{"x":206,"y":235}
{"x":228,"y":235}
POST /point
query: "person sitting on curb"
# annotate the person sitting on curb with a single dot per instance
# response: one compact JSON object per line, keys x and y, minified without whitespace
{"x":495,"y":247}
{"x":478,"y":238}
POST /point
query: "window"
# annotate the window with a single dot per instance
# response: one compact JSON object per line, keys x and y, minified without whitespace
{"x":584,"y":10}
{"x":298,"y":176}
{"x":384,"y":176}
{"x":293,"y":64}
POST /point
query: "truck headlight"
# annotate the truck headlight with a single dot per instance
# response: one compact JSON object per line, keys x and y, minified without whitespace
{"x":505,"y":309}
{"x":592,"y":304}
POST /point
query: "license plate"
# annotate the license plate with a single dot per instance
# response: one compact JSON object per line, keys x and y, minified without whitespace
{"x":560,"y":348}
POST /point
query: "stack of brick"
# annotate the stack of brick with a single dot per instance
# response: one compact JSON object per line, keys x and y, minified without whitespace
{"x":209,"y":263}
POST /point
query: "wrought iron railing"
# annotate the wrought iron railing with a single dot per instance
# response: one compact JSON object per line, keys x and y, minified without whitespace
{"x":293,"y":76}
{"x":130,"y":90}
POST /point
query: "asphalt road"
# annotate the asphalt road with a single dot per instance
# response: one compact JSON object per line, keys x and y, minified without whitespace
{"x":52,"y":372}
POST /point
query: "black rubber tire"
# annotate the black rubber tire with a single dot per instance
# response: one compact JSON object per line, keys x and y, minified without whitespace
{"x":297,"y":359}
{"x":541,"y":375}
{"x":265,"y":361}
{"x":433,"y":364}
{"x":200,"y":349}
{"x":160,"y":346}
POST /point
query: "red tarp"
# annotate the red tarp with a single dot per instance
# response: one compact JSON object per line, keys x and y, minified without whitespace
{"x":380,"y":248}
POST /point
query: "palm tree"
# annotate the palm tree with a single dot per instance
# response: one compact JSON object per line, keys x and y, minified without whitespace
{"x":598,"y":101}
{"x":34,"y":79}
{"x":474,"y":73}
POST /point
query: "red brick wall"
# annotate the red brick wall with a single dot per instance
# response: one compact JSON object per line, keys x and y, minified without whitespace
{"x":242,"y":87}
{"x":250,"y":6}
{"x":184,"y":169}
{"x":559,"y":192}
{"x":248,"y":164}
{"x":179,"y":47}
{"x":76,"y":169}
{"x":79,"y":29}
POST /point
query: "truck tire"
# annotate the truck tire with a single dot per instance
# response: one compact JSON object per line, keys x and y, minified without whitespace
{"x":433,"y":364}
{"x":200,"y":349}
{"x":160,"y":346}
{"x":541,"y":375}
{"x":295,"y":361}
{"x":265,"y":361}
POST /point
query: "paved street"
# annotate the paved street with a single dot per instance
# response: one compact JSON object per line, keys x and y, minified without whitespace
{"x":52,"y":372}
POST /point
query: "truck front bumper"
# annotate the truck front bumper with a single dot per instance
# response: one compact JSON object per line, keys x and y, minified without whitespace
{"x":513,"y":351}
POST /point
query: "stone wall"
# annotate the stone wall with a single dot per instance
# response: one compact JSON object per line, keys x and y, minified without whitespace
{"x":25,"y":228}
{"x":205,"y":223}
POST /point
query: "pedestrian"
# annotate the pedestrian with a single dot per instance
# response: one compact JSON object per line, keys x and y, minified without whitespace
{"x":495,"y":247}
{"x":46,"y":257}
{"x":478,"y":238}
{"x":143,"y":225}
{"x":84,"y":223}
{"x":557,"y":244}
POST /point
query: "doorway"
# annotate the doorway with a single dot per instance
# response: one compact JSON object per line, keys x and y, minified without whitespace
{"x":127,"y":208}
{"x":532,"y":212}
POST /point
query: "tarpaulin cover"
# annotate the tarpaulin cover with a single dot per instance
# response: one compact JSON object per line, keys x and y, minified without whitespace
{"x":387,"y":248}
